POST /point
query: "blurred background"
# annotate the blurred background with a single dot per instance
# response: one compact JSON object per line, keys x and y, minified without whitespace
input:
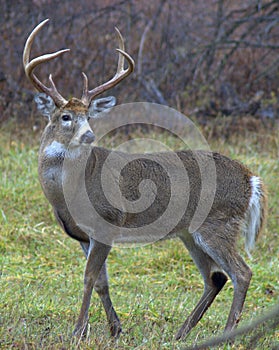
{"x":204,"y":58}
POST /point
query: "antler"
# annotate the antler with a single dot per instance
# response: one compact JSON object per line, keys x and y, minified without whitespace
{"x":120,"y":74}
{"x":30,"y":66}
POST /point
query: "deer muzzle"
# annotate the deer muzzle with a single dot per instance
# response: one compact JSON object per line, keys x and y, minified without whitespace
{"x":83,"y":136}
{"x":87,"y":138}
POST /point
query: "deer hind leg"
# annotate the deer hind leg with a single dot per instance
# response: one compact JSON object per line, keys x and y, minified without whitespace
{"x":102,"y":288}
{"x":214,"y":280}
{"x":221,"y":248}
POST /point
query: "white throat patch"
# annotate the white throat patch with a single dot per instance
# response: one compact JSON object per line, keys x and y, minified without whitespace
{"x":55,"y":149}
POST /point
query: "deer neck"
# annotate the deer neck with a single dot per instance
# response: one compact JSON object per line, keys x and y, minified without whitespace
{"x":58,"y":165}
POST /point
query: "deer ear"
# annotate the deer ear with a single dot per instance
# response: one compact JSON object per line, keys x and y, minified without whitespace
{"x":45,"y":104}
{"x":101,"y":105}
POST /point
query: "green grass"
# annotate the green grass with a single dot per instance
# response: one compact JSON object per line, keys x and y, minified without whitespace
{"x":153,"y":287}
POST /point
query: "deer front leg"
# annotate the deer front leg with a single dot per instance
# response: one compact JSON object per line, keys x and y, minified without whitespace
{"x":102,"y":288}
{"x":96,"y":258}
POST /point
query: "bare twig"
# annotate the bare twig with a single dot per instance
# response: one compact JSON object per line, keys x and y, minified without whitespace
{"x":269,"y":322}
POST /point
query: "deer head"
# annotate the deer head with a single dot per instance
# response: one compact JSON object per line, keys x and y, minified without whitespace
{"x":70,"y":117}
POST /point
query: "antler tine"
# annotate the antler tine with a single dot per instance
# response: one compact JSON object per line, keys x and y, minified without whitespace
{"x":120,"y":74}
{"x":29,"y":67}
{"x":120,"y":65}
{"x":85,"y":88}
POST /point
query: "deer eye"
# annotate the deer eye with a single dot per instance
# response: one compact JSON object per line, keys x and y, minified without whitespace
{"x":66,"y":117}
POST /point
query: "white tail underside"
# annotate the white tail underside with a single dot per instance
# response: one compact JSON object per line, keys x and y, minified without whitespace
{"x":253,"y":215}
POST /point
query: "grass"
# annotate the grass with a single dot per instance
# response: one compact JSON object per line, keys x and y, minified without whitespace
{"x":153,"y":287}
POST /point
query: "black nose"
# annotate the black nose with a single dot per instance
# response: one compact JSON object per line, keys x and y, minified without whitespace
{"x":87,"y":137}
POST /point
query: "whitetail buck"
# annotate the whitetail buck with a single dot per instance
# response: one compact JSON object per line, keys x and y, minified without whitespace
{"x":238,"y":202}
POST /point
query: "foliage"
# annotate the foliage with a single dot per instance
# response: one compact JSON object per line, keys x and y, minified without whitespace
{"x":153,"y":287}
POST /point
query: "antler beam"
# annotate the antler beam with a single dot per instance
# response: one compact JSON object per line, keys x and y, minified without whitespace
{"x":120,"y":74}
{"x":29,"y":67}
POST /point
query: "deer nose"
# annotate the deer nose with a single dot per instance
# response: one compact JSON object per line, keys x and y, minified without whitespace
{"x":87,"y":137}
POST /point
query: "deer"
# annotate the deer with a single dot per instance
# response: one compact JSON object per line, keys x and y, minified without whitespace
{"x":238,"y":202}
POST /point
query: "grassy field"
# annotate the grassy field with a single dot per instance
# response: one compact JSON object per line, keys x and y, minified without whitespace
{"x":153,"y":287}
